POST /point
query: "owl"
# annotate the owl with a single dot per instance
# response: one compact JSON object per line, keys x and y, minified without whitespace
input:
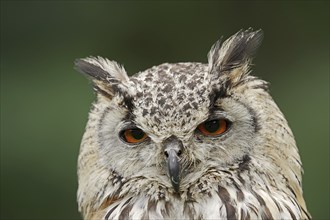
{"x":188,"y":141}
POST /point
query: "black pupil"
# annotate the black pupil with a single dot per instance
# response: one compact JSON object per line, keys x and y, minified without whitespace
{"x":212,"y":126}
{"x":137,"y":134}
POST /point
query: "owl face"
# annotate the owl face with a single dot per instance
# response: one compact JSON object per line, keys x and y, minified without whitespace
{"x":181,"y":129}
{"x":165,"y":121}
{"x":171,"y":105}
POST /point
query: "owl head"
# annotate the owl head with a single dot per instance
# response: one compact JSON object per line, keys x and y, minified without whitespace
{"x":175,"y":128}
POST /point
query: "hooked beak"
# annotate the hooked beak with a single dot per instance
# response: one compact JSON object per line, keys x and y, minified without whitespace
{"x":174,"y":169}
{"x":172,"y":152}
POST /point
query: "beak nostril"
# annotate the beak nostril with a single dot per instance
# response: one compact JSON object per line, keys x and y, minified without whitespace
{"x":178,"y":153}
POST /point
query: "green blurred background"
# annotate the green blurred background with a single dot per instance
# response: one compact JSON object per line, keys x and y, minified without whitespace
{"x":44,"y":102}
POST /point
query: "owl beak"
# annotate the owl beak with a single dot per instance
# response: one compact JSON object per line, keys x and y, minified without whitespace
{"x":174,"y":168}
{"x":172,"y":151}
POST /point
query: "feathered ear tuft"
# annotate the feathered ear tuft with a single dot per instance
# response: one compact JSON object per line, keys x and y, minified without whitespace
{"x":108,"y":76}
{"x":235,"y":52}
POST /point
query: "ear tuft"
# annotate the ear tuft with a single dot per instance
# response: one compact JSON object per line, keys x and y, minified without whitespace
{"x":101,"y":68}
{"x":108,"y":76}
{"x":235,"y":52}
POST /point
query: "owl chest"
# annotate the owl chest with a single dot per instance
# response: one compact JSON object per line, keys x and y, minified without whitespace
{"x":146,"y":208}
{"x":223,"y":203}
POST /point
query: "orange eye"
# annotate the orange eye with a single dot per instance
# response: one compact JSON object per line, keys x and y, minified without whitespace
{"x":213,"y":127}
{"x":134,"y":135}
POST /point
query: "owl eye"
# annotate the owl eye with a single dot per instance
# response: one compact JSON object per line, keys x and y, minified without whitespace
{"x":213,"y":127}
{"x":133,"y":136}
